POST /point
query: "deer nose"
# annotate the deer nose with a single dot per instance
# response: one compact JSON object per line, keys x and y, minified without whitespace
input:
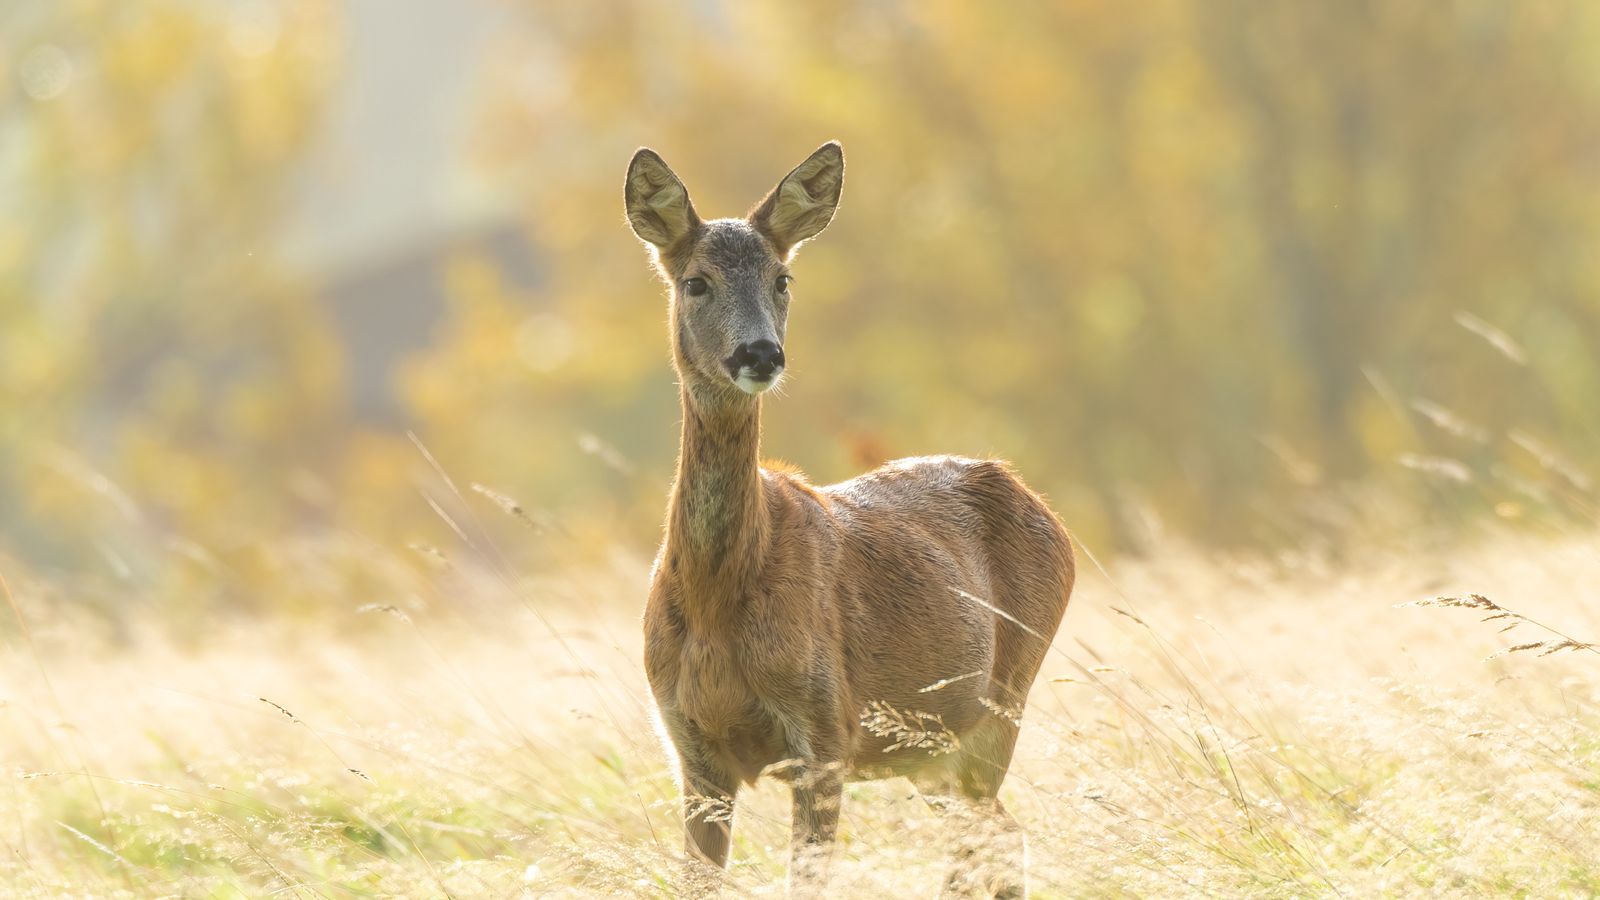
{"x":762,"y":358}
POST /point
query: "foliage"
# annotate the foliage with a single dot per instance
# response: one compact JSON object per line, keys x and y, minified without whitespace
{"x":1196,"y":267}
{"x":1196,"y":258}
{"x":156,"y":366}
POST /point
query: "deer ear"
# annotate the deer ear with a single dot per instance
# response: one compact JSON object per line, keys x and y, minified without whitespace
{"x":803,"y":203}
{"x":658,"y":204}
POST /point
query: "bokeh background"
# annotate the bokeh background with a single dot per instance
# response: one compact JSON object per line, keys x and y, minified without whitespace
{"x":1247,"y":275}
{"x":337,"y":420}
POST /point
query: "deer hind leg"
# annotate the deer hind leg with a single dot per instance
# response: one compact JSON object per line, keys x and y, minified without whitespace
{"x":991,"y":853}
{"x":988,"y":845}
{"x":992,"y":848}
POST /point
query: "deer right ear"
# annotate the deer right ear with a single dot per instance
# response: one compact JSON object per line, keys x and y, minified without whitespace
{"x":658,"y":204}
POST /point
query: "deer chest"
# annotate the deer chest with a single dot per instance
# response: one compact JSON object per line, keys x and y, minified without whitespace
{"x":711,"y":689}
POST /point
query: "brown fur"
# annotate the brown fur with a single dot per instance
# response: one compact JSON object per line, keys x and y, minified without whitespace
{"x":779,"y":611}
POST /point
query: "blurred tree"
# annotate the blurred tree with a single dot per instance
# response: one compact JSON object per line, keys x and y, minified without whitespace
{"x":1157,"y":256}
{"x":1207,"y":261}
{"x":148,"y":337}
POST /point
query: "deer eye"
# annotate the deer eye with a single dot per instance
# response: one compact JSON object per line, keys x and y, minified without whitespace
{"x":782,"y":284}
{"x":694,"y":287}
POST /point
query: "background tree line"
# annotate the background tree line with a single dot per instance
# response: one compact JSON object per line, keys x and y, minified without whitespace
{"x":1252,"y":273}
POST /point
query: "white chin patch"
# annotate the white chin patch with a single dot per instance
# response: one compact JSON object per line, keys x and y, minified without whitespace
{"x":752,"y":385}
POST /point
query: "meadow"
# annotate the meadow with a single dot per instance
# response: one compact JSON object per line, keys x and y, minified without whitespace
{"x":1205,"y":726}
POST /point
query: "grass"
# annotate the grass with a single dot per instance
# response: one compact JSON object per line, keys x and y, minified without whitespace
{"x":1204,"y":727}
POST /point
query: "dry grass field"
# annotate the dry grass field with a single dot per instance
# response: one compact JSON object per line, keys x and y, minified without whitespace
{"x":1204,"y":727}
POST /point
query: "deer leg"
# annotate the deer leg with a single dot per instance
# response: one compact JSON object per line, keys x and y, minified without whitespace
{"x":818,"y":790}
{"x":990,"y":848}
{"x":708,"y":792}
{"x":708,"y":797}
{"x":817,"y":793}
{"x":990,"y":851}
{"x":708,"y":815}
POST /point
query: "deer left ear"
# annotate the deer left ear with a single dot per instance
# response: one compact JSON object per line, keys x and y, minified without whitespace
{"x":803,"y":203}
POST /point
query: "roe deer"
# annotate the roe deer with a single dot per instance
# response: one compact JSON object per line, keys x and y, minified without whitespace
{"x":789,"y":626}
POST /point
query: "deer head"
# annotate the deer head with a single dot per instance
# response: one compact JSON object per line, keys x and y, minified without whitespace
{"x":730,"y":277}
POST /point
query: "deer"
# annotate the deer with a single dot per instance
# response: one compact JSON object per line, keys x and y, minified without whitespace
{"x":889,"y":625}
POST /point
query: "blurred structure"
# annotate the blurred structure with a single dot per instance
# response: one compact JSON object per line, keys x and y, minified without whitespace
{"x":1220,"y":269}
{"x":387,"y":193}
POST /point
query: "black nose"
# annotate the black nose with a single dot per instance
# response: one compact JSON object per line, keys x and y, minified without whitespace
{"x":761,"y":357}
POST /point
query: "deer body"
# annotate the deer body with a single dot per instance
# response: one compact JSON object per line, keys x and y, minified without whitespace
{"x":779,"y":612}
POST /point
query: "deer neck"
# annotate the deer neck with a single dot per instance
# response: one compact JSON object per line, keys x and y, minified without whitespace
{"x":717,"y":526}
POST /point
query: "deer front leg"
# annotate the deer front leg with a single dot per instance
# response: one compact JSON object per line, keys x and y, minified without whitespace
{"x":708,"y":795}
{"x":818,"y":790}
{"x":709,"y":790}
